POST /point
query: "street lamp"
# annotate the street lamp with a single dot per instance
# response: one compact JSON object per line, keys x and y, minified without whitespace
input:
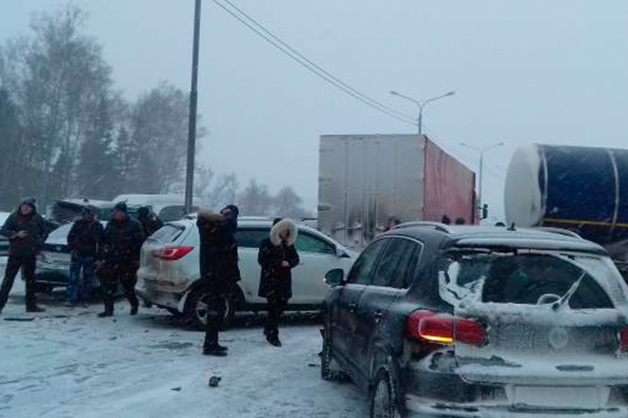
{"x":421,"y":105}
{"x":481,"y":151}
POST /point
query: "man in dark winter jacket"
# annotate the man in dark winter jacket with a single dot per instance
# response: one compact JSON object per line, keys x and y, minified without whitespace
{"x":277,"y":256}
{"x":219,"y":272}
{"x":26,"y":232}
{"x":149,"y":220}
{"x":119,"y":258}
{"x":83,"y":240}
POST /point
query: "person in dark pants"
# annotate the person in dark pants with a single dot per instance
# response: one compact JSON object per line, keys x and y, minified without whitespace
{"x":26,"y":232}
{"x":119,"y":258}
{"x":277,"y":256}
{"x":149,"y":220}
{"x":83,"y":240}
{"x":219,"y":272}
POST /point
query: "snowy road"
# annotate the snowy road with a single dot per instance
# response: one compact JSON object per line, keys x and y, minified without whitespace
{"x":69,"y":363}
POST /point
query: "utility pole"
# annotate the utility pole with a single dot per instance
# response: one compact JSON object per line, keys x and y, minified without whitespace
{"x":189,"y":174}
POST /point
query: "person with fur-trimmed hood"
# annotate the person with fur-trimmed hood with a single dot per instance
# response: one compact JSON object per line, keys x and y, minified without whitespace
{"x":219,"y":273}
{"x":149,"y":220}
{"x":277,"y":256}
{"x":26,"y":231}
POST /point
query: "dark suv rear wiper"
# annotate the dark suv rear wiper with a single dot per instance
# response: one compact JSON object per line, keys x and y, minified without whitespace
{"x":560,"y":303}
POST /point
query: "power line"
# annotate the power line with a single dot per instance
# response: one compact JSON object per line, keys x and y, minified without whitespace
{"x":308,"y":64}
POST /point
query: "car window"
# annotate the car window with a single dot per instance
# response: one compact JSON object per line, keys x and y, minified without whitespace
{"x":310,"y":244}
{"x":364,"y":265}
{"x":169,"y":233}
{"x":173,"y":213}
{"x":397,"y":264}
{"x":250,"y":238}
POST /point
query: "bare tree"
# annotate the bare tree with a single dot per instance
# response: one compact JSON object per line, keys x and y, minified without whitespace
{"x":255,"y":200}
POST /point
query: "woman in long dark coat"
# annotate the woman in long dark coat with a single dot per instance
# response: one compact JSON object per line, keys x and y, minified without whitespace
{"x":277,"y":256}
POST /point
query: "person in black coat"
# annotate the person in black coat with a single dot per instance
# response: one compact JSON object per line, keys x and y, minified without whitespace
{"x":219,"y":273}
{"x":26,"y":232}
{"x":83,"y":240}
{"x":149,"y":220}
{"x":277,"y":256}
{"x":119,"y":258}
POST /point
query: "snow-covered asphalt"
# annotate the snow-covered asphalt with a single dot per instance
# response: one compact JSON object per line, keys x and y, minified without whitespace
{"x":68,"y":363}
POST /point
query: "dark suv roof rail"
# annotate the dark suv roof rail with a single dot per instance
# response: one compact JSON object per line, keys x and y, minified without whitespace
{"x":436,"y":225}
{"x":560,"y":231}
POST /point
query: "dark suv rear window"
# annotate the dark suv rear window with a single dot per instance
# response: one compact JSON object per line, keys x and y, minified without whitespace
{"x":532,"y":278}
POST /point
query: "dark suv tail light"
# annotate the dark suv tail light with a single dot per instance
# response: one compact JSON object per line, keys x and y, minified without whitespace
{"x":172,"y":253}
{"x":445,"y":329}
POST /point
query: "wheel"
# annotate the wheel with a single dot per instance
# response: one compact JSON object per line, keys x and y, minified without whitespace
{"x":330,"y":370}
{"x":383,"y":400}
{"x":196,"y":309}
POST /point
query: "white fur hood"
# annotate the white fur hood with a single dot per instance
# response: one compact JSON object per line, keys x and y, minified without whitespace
{"x":281,"y":226}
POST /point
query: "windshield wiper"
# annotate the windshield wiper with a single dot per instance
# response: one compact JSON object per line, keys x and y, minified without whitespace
{"x":560,"y":303}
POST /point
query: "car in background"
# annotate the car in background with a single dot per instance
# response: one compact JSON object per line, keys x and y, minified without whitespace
{"x":470,"y":321}
{"x":168,"y":207}
{"x":169,"y":274}
{"x":53,"y":263}
{"x":69,"y":210}
{"x":4,"y":242}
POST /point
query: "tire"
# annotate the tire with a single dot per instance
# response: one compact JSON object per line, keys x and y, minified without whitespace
{"x":196,"y":308}
{"x":330,"y":370}
{"x":383,"y":398}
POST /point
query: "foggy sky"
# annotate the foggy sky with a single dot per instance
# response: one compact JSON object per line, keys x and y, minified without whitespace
{"x":523,"y":71}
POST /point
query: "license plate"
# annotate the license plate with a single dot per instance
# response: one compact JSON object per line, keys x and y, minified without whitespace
{"x":571,"y":397}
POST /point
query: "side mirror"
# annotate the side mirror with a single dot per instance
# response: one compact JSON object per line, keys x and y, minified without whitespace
{"x":335,"y":277}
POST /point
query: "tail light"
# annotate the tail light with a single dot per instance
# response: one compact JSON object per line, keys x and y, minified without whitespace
{"x":172,"y":253}
{"x":623,"y":339}
{"x":447,"y":329}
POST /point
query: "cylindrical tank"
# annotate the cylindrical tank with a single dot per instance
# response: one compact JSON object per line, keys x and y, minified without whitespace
{"x":583,"y":189}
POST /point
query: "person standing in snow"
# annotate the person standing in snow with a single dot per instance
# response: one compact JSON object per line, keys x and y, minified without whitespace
{"x":277,"y":256}
{"x":119,"y":258}
{"x":26,"y":232}
{"x":149,"y":220}
{"x":83,"y":240}
{"x":219,"y":272}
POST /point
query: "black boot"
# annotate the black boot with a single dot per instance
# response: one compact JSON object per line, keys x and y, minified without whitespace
{"x":273,"y":339}
{"x":35,"y":309}
{"x":108,"y":310}
{"x":215,"y":350}
{"x":134,"y":309}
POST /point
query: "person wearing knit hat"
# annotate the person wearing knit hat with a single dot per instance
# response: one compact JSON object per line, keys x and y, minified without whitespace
{"x":119,"y":258}
{"x":26,"y":232}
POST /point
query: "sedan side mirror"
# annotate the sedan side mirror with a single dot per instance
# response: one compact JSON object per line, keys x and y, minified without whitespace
{"x":335,"y":277}
{"x":341,"y":253}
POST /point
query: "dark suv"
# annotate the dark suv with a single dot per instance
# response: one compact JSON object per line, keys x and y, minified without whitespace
{"x":471,"y":321}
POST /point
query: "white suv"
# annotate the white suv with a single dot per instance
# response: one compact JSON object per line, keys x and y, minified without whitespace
{"x":169,"y":274}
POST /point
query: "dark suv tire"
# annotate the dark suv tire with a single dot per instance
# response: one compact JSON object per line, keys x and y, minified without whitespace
{"x":329,"y":367}
{"x":383,"y":397}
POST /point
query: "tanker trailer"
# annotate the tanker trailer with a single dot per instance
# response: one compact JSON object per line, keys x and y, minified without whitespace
{"x":583,"y":189}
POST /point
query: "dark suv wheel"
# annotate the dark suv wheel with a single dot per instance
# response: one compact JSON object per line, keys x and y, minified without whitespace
{"x":383,"y":398}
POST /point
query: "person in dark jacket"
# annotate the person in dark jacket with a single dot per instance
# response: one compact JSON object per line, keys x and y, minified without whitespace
{"x":83,"y":240}
{"x":26,"y":232}
{"x":219,"y":273}
{"x":119,"y":258}
{"x":149,"y":220}
{"x":277,"y":256}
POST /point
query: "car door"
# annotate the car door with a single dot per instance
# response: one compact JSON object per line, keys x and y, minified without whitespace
{"x":344,"y":311}
{"x":249,"y":239}
{"x":317,"y":257}
{"x":389,"y":282}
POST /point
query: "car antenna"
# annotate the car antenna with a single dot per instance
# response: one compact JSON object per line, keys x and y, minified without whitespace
{"x":512,"y":227}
